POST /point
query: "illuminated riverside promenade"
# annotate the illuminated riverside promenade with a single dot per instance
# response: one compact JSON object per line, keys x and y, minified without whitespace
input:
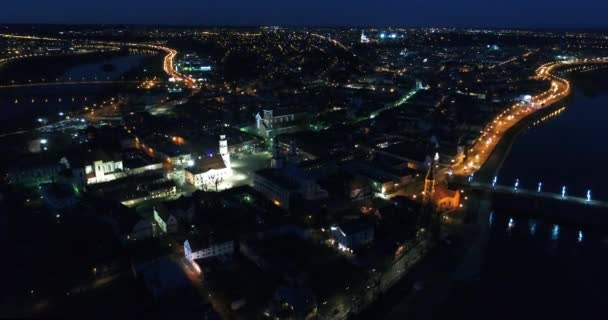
{"x":560,"y":88}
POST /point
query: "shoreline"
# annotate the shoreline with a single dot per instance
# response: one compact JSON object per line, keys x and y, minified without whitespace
{"x":466,"y":272}
{"x":501,"y":152}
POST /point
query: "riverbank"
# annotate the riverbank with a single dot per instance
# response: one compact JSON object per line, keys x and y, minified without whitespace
{"x":497,"y":157}
{"x":457,"y":290}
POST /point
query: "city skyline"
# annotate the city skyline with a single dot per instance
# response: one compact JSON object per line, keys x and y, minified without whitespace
{"x":462,"y":13}
{"x":302,"y":160}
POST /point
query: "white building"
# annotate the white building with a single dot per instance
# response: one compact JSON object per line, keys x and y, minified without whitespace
{"x":353,"y":234}
{"x":224,"y":153}
{"x":165,"y":220}
{"x":285,"y":179}
{"x":271,"y":124}
{"x":102,"y":170}
{"x":142,"y":230}
{"x":364,"y":38}
{"x":194,"y":249}
{"x":208,"y":172}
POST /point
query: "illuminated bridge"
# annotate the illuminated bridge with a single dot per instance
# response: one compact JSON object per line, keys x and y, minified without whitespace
{"x":493,"y":187}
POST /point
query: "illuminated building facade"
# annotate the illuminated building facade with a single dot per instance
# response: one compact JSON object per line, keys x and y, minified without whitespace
{"x":285,"y":179}
{"x":164,"y":219}
{"x":208,"y":172}
{"x":194,"y":249}
{"x":271,"y":124}
{"x":353,"y":234}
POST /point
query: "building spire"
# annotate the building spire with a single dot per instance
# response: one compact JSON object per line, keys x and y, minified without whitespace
{"x":224,"y":152}
{"x":429,"y":182}
{"x":430,"y":174}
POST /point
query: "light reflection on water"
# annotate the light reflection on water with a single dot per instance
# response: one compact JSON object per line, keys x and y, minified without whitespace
{"x":532,"y":224}
{"x":20,"y":107}
{"x":555,"y":232}
{"x":541,"y":269}
{"x":535,"y":262}
{"x":501,"y":224}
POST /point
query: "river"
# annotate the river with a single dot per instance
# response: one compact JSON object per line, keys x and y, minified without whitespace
{"x":539,"y":269}
{"x":569,"y":149}
{"x":20,"y":108}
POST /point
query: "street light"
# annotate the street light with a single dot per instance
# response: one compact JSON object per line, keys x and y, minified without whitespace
{"x":563,"y":192}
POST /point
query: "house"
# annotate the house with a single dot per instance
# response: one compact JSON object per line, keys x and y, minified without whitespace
{"x":285,"y":179}
{"x":274,"y":123}
{"x":34,"y":170}
{"x":167,"y":150}
{"x":125,"y":222}
{"x":195,"y":249}
{"x":133,"y":190}
{"x":100,"y":167}
{"x":353,"y":234}
{"x":446,"y":199}
{"x":164,"y":219}
{"x":182,"y":208}
{"x":142,"y":230}
{"x":382,"y":180}
{"x":208,"y":172}
{"x":442,"y":196}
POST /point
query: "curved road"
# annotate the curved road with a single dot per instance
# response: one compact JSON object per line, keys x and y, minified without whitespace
{"x":495,"y":130}
{"x":168,"y":65}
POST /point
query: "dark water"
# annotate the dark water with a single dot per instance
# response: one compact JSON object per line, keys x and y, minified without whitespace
{"x":570,"y":149}
{"x":92,"y":71}
{"x":20,"y":108}
{"x":538,"y":269}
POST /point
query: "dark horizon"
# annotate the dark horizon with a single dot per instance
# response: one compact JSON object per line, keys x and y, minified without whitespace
{"x":516,"y":14}
{"x":287,"y":26}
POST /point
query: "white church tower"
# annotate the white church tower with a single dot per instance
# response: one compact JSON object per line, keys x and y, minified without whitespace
{"x":258,"y":121}
{"x":224,"y":152}
{"x":364,"y":38}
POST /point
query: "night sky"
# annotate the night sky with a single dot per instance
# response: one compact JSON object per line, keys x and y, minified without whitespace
{"x":457,"y":13}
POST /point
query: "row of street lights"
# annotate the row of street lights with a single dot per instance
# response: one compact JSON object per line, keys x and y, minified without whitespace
{"x":539,"y":188}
